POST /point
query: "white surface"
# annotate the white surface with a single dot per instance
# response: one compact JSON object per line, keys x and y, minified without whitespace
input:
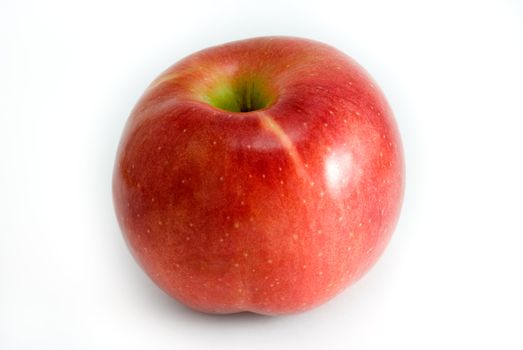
{"x":452,"y":277}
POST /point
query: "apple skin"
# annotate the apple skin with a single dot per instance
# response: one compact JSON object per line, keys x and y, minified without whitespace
{"x":272,"y":211}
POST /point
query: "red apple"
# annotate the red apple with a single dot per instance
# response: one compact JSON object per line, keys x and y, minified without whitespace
{"x":263,"y":175}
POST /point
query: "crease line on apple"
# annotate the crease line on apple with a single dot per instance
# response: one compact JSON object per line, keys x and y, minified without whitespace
{"x":161,"y":80}
{"x":269,"y":124}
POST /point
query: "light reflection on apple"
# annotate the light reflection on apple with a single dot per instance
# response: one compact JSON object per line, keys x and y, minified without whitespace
{"x":338,"y":171}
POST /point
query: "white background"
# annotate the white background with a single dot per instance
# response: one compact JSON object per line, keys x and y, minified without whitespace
{"x":452,"y":276}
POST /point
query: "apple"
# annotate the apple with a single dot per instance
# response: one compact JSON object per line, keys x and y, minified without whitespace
{"x":262,"y":175}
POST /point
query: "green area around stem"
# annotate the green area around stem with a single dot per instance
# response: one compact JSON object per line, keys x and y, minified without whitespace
{"x":242,"y":95}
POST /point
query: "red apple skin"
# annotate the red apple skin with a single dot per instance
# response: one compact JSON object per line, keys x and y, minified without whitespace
{"x":272,"y":211}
